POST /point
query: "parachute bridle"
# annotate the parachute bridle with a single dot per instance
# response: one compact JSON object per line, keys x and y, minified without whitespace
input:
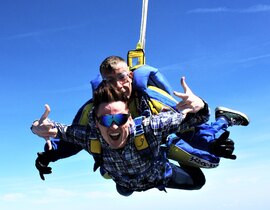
{"x":138,"y":54}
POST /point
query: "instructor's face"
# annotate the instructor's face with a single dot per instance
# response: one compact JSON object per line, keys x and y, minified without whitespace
{"x":121,"y":78}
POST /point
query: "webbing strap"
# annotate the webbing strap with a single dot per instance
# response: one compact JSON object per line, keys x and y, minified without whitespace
{"x":136,"y":58}
{"x":140,"y":140}
{"x":141,"y":43}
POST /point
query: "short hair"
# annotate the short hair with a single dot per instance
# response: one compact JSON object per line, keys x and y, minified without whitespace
{"x":109,"y":64}
{"x":106,"y":93}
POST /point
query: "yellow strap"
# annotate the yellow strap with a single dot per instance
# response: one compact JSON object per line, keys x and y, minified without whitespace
{"x":141,"y":142}
{"x":135,"y":58}
{"x":185,"y":158}
{"x":95,"y":146}
{"x":84,"y":119}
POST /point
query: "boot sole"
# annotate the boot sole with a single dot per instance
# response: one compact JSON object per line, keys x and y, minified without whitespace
{"x":224,"y":109}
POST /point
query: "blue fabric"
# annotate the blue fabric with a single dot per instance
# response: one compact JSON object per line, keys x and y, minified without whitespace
{"x":95,"y":82}
{"x":148,"y":75}
{"x":196,"y":142}
{"x":199,"y":157}
{"x":205,"y":133}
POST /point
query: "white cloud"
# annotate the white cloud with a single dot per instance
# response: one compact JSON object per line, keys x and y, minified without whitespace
{"x":251,"y":9}
{"x":43,"y":31}
{"x":12,"y":197}
{"x":254,"y":58}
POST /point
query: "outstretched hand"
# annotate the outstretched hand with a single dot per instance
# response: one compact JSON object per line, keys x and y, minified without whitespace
{"x":42,"y":163}
{"x":223,"y":146}
{"x":190,"y":102}
{"x":44,"y":128}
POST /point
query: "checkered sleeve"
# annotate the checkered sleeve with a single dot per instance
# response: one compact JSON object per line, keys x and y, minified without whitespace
{"x":76,"y":134}
{"x":165,"y":123}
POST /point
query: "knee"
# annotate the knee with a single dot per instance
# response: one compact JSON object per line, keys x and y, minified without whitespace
{"x":199,"y":183}
{"x":123,"y":190}
{"x":197,"y":176}
{"x":199,"y":180}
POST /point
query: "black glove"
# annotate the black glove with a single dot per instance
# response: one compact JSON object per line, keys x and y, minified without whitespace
{"x":42,"y":163}
{"x":223,"y":146}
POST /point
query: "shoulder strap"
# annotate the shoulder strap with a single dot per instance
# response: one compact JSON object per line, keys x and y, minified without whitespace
{"x":81,"y":117}
{"x":140,"y":140}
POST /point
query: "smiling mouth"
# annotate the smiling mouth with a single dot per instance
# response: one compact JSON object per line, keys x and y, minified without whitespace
{"x":115,"y":136}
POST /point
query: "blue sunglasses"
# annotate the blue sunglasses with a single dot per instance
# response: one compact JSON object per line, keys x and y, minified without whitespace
{"x":108,"y":119}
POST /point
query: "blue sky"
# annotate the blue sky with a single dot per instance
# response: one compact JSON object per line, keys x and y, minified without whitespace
{"x":50,"y":50}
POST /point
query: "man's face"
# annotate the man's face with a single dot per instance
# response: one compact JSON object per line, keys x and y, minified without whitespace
{"x":121,"y":78}
{"x":115,"y":135}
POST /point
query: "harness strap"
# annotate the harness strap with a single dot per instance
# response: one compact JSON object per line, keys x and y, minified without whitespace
{"x":140,"y":140}
{"x":136,"y":58}
{"x":140,"y":143}
{"x":141,"y":43}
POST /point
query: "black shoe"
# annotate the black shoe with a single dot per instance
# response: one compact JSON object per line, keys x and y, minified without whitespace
{"x":233,"y":117}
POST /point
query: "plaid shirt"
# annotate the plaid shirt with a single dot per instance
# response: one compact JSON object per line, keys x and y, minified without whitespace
{"x":126,"y":166}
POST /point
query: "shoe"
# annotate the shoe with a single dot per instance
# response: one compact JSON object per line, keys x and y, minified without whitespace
{"x":233,"y":117}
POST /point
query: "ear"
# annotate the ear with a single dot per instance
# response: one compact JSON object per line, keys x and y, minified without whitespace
{"x":131,"y":75}
{"x":130,"y":120}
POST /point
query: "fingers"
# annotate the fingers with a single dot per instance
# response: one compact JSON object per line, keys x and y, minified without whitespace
{"x":183,"y":96}
{"x":224,"y":136}
{"x":41,"y":175}
{"x":44,"y":170}
{"x":189,"y":101}
{"x":228,"y":147}
{"x":49,"y":143}
{"x":45,"y":131}
{"x":233,"y":157}
{"x":46,"y":113}
{"x":44,"y":127}
{"x":186,"y":111}
{"x":42,"y":165}
{"x":184,"y":85}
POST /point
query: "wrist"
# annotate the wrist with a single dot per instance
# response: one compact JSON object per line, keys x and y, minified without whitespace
{"x":34,"y":124}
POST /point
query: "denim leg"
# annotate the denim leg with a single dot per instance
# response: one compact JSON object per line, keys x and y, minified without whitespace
{"x":186,"y":178}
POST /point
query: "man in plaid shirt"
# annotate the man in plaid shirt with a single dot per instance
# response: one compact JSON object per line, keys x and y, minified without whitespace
{"x":120,"y":158}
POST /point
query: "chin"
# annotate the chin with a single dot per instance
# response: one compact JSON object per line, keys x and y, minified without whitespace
{"x":117,"y":145}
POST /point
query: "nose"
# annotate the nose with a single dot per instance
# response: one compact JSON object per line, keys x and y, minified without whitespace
{"x":119,"y":85}
{"x":114,"y":126}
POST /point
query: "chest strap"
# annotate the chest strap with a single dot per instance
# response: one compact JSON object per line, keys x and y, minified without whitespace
{"x":140,"y":141}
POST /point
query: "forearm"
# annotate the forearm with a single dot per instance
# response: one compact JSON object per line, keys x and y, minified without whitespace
{"x":194,"y":119}
{"x":75,"y":134}
{"x":169,"y":122}
{"x":166,"y":123}
{"x":62,"y":149}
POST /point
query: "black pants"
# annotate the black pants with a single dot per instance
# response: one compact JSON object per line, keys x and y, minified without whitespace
{"x":184,"y":177}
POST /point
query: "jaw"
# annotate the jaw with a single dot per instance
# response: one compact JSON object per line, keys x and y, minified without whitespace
{"x":116,"y":141}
